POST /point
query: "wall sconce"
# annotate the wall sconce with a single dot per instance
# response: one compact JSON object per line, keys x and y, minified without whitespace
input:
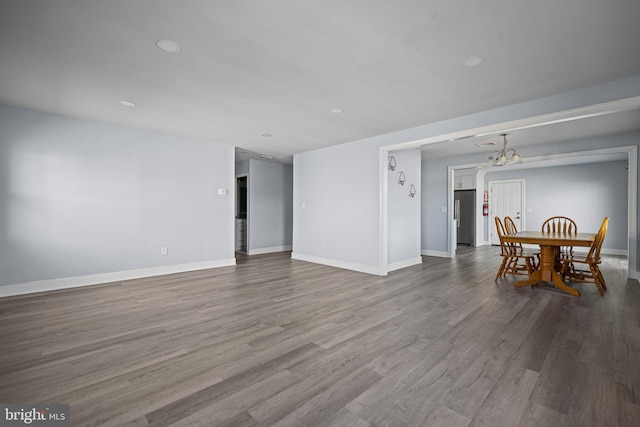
{"x":412,"y":191}
{"x":401,"y":178}
{"x":392,"y":163}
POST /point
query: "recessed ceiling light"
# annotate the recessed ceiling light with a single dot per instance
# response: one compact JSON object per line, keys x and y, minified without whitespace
{"x":265,"y":157}
{"x":336,"y":110}
{"x":168,"y":46}
{"x":473,"y":61}
{"x":267,"y":135}
{"x":126,"y":103}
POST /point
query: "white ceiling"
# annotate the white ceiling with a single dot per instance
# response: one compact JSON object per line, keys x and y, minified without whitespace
{"x":249,"y":68}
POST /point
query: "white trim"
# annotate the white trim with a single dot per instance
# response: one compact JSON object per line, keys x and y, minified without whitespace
{"x":632,"y":217}
{"x":117,"y":276}
{"x":440,"y":254}
{"x":272,"y":249}
{"x":603,"y":251}
{"x":383,"y":206}
{"x":452,"y":243}
{"x":526,"y":123}
{"x":369,"y":269}
{"x":404,"y":263}
{"x":622,"y":252}
{"x":480,"y":174}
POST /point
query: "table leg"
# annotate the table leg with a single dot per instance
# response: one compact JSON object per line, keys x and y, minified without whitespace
{"x":534,"y":279}
{"x":559,"y":283}
{"x":547,"y":272}
{"x":547,"y":262}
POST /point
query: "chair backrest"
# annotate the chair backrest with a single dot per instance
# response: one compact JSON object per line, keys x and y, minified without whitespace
{"x":507,"y":248}
{"x":510,"y":225}
{"x":559,"y":224}
{"x":501,"y":232}
{"x":511,"y":228}
{"x":594,"y":251}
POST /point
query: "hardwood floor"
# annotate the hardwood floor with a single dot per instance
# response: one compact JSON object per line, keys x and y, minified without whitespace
{"x":275,"y":341}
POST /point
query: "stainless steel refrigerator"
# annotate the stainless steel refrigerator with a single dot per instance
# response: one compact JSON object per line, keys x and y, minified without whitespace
{"x":464,"y":214}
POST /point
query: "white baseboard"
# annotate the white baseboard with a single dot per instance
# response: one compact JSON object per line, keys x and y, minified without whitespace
{"x":441,"y":254}
{"x":603,"y":251}
{"x":269,"y":250}
{"x":117,"y":276}
{"x":622,"y":252}
{"x":580,"y":249}
{"x":404,"y":263}
{"x":369,"y":269}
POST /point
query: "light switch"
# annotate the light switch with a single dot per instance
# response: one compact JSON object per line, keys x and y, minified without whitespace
{"x":443,"y":209}
{"x":222,"y":191}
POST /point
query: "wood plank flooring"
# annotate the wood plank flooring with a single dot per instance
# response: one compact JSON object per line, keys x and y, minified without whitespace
{"x":275,"y":341}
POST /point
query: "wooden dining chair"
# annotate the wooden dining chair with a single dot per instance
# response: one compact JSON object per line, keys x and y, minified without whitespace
{"x":504,"y":249}
{"x":513,"y":260}
{"x":561,"y":224}
{"x":590,"y":270}
{"x":510,"y":227}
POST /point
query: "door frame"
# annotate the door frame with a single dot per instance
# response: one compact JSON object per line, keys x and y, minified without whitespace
{"x":237,"y":203}
{"x":522,"y":203}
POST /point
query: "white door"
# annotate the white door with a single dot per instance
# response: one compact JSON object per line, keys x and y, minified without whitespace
{"x":505,"y":199}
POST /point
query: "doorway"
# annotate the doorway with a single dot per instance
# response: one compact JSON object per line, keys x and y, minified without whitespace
{"x":242,"y":202}
{"x":505,"y":199}
{"x":464,"y":216}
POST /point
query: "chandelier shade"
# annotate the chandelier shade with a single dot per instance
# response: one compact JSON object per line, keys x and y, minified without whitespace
{"x":504,"y":156}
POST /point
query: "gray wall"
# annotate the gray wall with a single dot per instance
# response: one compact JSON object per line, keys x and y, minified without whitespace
{"x":434,"y":230}
{"x":79,"y":197}
{"x":242,"y":167}
{"x":586,"y":193}
{"x":335,"y":205}
{"x":270,"y":205}
{"x":403,"y":210}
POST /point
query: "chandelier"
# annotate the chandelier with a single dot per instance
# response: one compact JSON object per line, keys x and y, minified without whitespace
{"x":504,"y":156}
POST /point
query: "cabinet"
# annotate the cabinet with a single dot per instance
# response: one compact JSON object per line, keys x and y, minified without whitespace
{"x":241,"y":234}
{"x":465,"y":182}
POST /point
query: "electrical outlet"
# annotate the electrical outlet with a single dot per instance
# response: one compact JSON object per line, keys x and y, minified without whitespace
{"x":164,"y":250}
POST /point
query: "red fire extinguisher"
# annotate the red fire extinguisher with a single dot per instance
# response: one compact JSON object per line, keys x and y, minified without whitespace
{"x":485,"y":205}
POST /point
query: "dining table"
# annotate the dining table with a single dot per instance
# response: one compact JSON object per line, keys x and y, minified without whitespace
{"x":550,"y":244}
